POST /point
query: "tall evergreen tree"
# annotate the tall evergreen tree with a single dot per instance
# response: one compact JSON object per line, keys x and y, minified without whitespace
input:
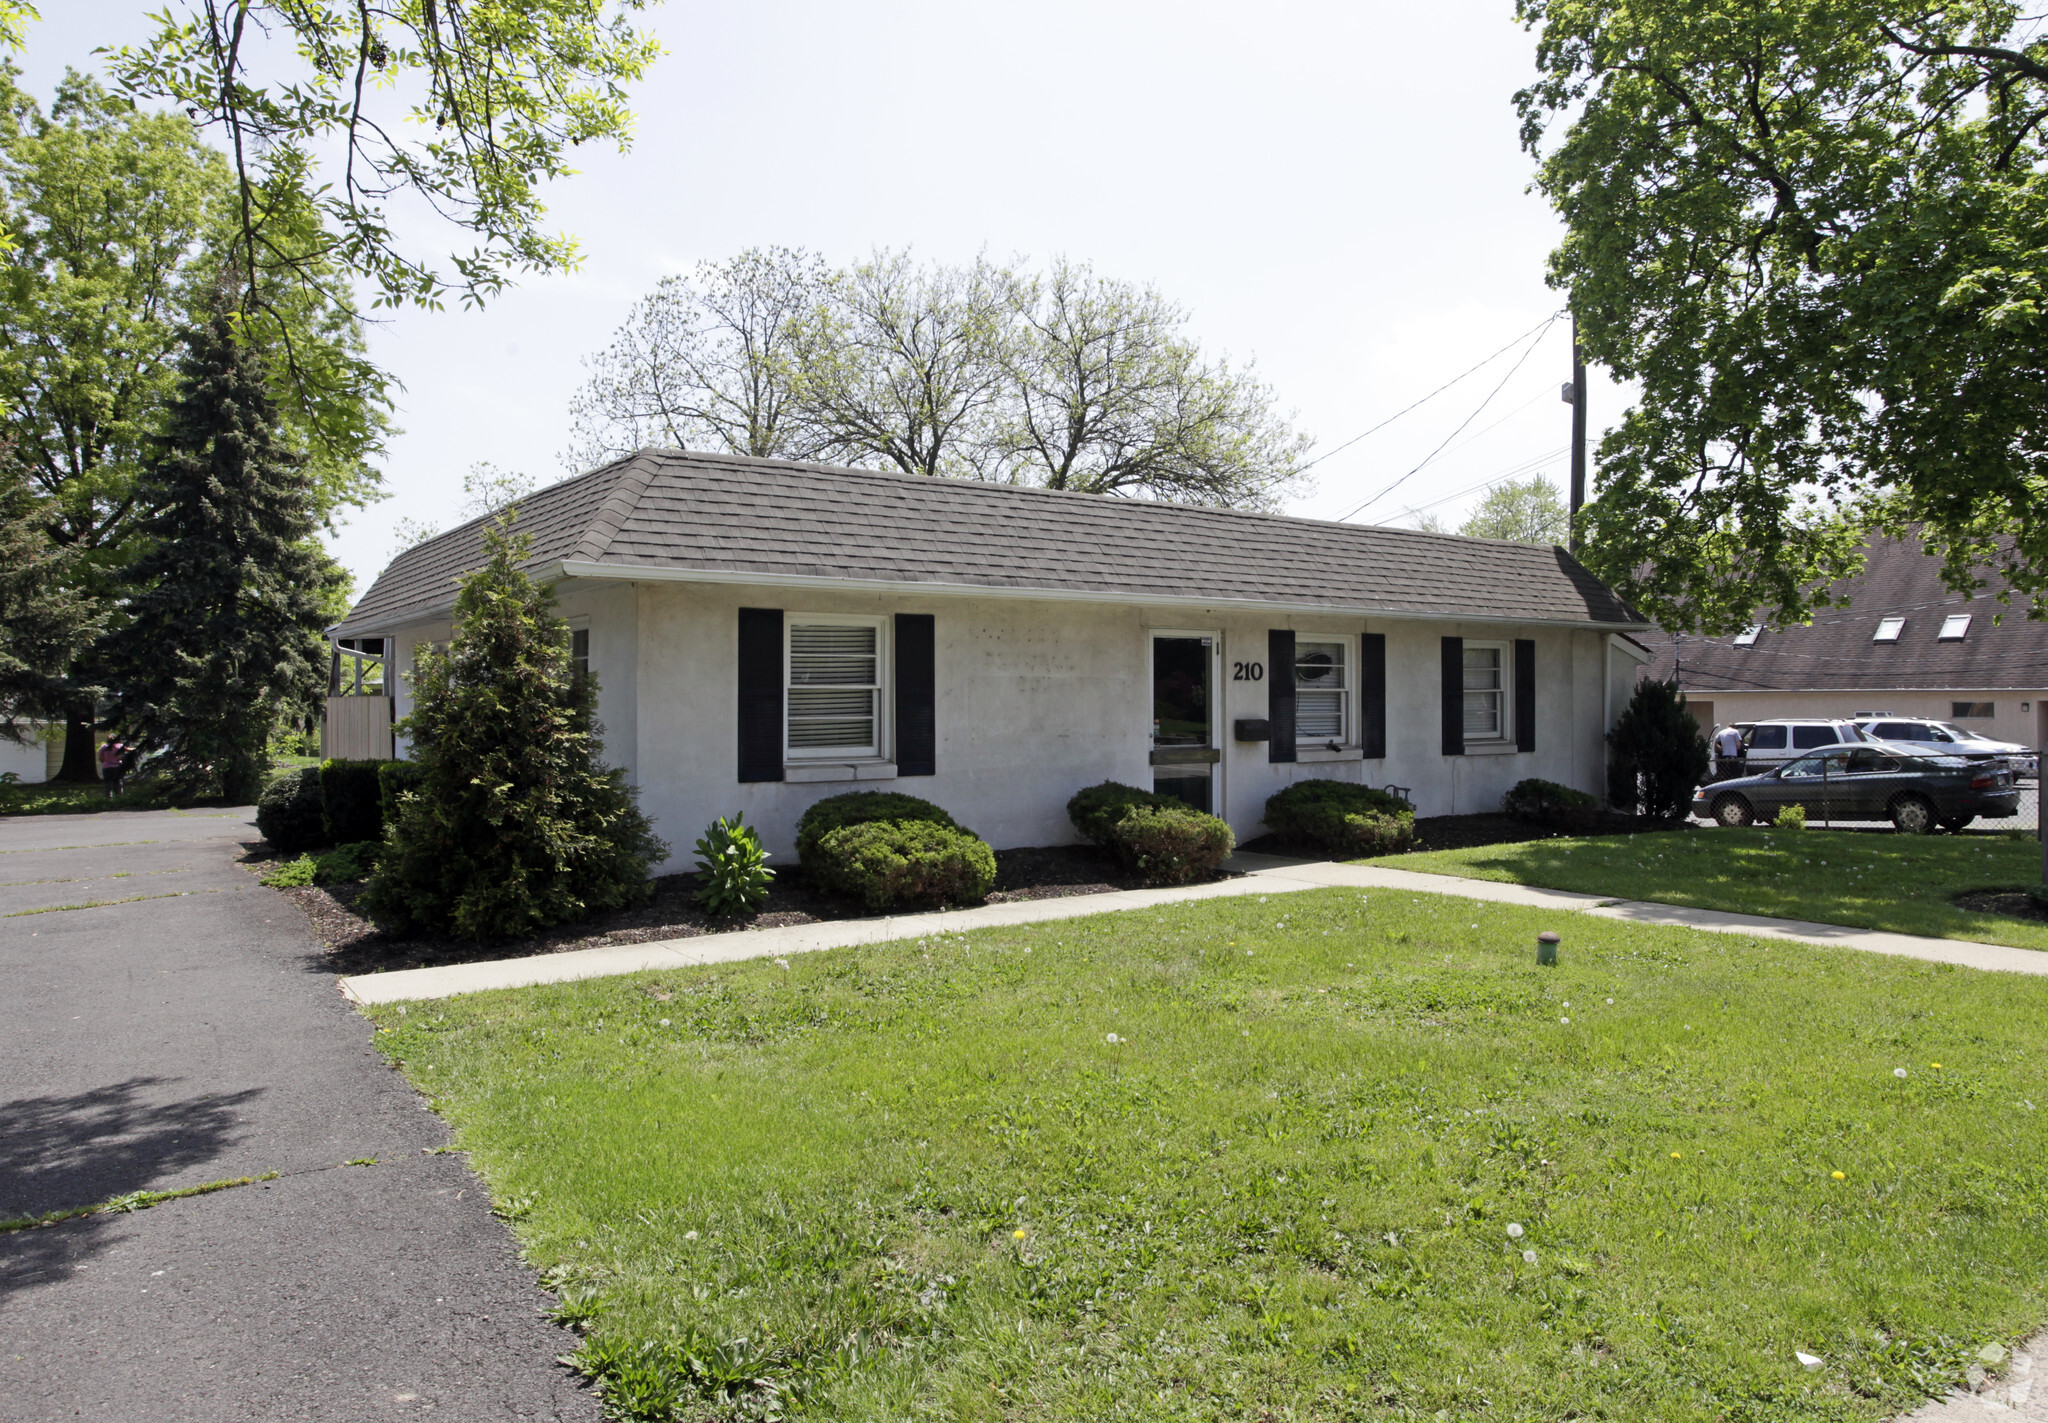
{"x":515,"y":823}
{"x":224,"y":630}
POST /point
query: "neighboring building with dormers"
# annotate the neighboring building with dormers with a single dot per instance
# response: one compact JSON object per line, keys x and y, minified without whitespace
{"x":1905,"y":644}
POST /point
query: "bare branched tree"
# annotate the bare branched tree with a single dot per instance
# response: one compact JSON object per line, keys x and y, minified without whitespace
{"x":1067,"y":381}
{"x":708,"y":362}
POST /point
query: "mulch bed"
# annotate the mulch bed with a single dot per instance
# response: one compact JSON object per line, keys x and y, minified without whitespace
{"x":356,"y":945}
{"x":2012,"y":903}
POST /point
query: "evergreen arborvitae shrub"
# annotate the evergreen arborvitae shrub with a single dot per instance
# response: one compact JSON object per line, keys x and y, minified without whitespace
{"x":350,"y":793}
{"x":289,"y":814}
{"x":1343,"y":817}
{"x":513,"y":824}
{"x":232,"y":589}
{"x":1657,"y":754}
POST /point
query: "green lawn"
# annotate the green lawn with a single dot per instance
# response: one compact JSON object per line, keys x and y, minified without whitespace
{"x":919,"y":1180}
{"x":1897,"y":882}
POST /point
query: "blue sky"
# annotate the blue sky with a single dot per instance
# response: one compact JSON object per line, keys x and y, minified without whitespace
{"x":1333,"y":189}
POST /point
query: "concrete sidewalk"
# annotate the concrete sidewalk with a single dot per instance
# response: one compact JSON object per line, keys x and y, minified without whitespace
{"x":1257,"y":874}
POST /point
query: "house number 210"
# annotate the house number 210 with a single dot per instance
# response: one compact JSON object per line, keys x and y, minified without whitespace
{"x":1247,"y":671}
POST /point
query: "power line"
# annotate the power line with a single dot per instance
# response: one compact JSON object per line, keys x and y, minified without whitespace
{"x":1526,"y":466}
{"x":1544,"y":325}
{"x":1540,"y":333}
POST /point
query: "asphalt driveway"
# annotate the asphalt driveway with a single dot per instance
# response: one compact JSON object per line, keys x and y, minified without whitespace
{"x":179,"y":1031}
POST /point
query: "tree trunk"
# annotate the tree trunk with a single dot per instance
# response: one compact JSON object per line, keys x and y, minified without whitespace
{"x":81,"y":761}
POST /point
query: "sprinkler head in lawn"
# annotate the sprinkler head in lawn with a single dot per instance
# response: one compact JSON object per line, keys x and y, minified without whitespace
{"x":1546,"y":948}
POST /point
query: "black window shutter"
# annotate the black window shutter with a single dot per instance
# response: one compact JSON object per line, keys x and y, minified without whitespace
{"x":1525,"y":694}
{"x":760,"y":679}
{"x":1280,"y":693}
{"x":1372,"y":694}
{"x":917,"y":723}
{"x":1454,"y":696}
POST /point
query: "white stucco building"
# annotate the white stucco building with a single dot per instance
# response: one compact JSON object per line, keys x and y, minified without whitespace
{"x":767,"y":633}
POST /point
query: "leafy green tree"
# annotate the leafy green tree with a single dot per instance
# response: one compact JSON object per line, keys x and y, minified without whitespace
{"x":45,"y":622}
{"x":119,"y":223}
{"x":514,"y":824}
{"x":333,"y":112}
{"x":231,"y":592}
{"x":1529,"y":511}
{"x":1811,"y":232}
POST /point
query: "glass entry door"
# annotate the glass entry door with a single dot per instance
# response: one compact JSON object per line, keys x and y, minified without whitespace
{"x":1184,"y":753}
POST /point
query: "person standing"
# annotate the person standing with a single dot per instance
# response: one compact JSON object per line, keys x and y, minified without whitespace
{"x":111,"y":757}
{"x":1727,"y":753}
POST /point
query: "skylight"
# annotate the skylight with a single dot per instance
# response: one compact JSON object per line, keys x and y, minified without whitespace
{"x":1747,"y":637}
{"x":1955,"y":627}
{"x":1888,"y":629}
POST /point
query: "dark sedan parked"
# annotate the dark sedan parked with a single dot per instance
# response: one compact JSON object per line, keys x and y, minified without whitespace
{"x":1915,"y":791}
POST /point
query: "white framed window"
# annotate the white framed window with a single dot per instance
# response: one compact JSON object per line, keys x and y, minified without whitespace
{"x":836,"y":672}
{"x":1486,"y":691}
{"x":1954,"y":628}
{"x":1322,"y":689}
{"x":1888,"y":629}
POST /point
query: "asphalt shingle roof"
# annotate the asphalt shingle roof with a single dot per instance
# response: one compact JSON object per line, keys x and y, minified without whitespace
{"x":1837,"y":652}
{"x":755,"y":518}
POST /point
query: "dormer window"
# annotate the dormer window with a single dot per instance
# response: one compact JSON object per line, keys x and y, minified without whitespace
{"x":1888,"y":629}
{"x":1747,"y":637}
{"x":1955,"y":627}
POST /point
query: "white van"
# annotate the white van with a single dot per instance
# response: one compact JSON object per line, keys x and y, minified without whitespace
{"x":1768,"y":744}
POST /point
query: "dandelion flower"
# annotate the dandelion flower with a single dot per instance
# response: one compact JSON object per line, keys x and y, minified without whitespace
{"x":1676,"y":1155}
{"x":782,"y":963}
{"x":1898,"y":1072}
{"x":1935,"y":1065}
{"x":1018,"y":1233}
{"x":1841,"y":1175}
{"x":664,"y":1022}
{"x":1610,"y":1000}
{"x":1113,"y":1038}
{"x":1529,"y":1257}
{"x":689,"y":1235}
{"x":1566,"y":1021}
{"x":1514,"y":1230}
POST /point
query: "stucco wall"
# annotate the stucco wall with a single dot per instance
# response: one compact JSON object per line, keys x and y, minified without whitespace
{"x":2010,"y":723}
{"x":1036,"y":700}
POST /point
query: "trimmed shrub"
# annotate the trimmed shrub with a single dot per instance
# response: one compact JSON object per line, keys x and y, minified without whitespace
{"x":1789,"y":817}
{"x":1551,"y":805}
{"x":1164,"y":840}
{"x":394,"y":779}
{"x":1096,"y":810}
{"x":861,"y":808}
{"x":1659,"y":755}
{"x":1172,"y":843}
{"x":732,"y":867}
{"x":350,"y":800}
{"x":890,"y":862}
{"x":289,"y":812}
{"x":1343,"y":817}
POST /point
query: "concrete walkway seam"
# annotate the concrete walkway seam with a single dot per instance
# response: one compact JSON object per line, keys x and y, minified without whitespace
{"x":1259,"y":874}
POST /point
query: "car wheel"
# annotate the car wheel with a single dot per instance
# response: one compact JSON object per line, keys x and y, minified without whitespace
{"x":1955,"y":824}
{"x":1733,"y":810}
{"x":1912,"y":815}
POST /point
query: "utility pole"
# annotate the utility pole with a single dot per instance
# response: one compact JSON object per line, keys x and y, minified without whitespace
{"x":1575,"y":393}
